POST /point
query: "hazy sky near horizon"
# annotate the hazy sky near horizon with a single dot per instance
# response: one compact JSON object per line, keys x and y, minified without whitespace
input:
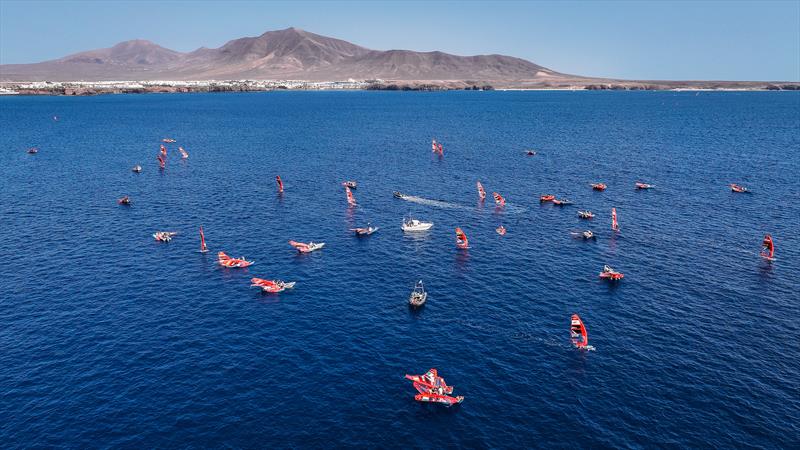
{"x":722,"y":40}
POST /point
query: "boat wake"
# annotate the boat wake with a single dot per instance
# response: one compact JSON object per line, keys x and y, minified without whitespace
{"x":449,"y":205}
{"x":434,"y":203}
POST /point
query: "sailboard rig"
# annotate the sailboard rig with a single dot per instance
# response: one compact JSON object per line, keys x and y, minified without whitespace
{"x":184,"y":153}
{"x":302,"y":247}
{"x":271,"y":286}
{"x":578,"y":334}
{"x":768,"y":247}
{"x":364,"y":231}
{"x":498,"y":199}
{"x":481,"y":191}
{"x":739,"y":189}
{"x":280,"y":184}
{"x":203,"y":247}
{"x":233,"y":263}
{"x":544,"y":198}
{"x":610,"y":274}
{"x":164,"y":236}
{"x":437,"y":148}
{"x":163,"y":151}
{"x":351,"y":200}
{"x":432,"y":388}
{"x":614,"y":223}
{"x":501,"y":230}
{"x":162,"y":162}
{"x":461,"y":239}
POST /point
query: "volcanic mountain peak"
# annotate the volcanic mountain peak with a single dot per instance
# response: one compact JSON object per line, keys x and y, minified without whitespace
{"x":288,"y":54}
{"x":136,"y":51}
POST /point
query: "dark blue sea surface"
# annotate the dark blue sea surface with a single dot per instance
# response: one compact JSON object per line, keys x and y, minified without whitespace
{"x":108,"y":338}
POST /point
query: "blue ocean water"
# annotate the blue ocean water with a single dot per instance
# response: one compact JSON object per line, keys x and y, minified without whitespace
{"x":108,"y":338}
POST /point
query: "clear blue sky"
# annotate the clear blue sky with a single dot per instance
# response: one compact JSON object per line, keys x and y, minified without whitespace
{"x":730,"y":40}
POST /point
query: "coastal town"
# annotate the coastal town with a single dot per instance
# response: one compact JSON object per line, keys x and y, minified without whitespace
{"x":83,"y":88}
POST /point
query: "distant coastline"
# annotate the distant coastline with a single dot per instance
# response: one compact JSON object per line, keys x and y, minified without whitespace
{"x":85,"y":88}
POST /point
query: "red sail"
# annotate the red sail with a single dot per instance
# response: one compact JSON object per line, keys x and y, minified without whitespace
{"x":481,"y":191}
{"x":769,"y":247}
{"x":498,"y":199}
{"x":163,"y":151}
{"x":161,"y":161}
{"x":578,"y":334}
{"x":350,"y":199}
{"x":614,"y":223}
{"x":203,"y":247}
{"x":461,"y":239}
{"x":280,"y":183}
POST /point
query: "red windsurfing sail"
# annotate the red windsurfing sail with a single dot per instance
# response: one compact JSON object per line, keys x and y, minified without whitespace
{"x":300,"y":246}
{"x":260,"y":282}
{"x":768,"y":251}
{"x":161,"y":161}
{"x":433,"y":146}
{"x":461,"y":239}
{"x":614,"y":223}
{"x":578,"y":334}
{"x":481,"y":191}
{"x":498,"y":199}
{"x":351,"y":200}
{"x":440,"y":149}
{"x":236,"y":263}
{"x":203,"y":247}
{"x":428,"y":381}
{"x":280,"y":183}
{"x":163,"y":151}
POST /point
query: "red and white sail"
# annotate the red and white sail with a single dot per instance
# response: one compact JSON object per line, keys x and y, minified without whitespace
{"x":184,"y":153}
{"x":461,"y":239}
{"x":432,"y":388}
{"x":235,"y":263}
{"x":300,"y":246}
{"x":162,"y":162}
{"x":578,"y":334}
{"x":433,"y":146}
{"x":351,"y":200}
{"x":498,"y":199}
{"x":203,"y":247}
{"x":280,"y":183}
{"x":163,"y":151}
{"x":430,"y":380}
{"x":481,"y":191}
{"x":614,"y":223}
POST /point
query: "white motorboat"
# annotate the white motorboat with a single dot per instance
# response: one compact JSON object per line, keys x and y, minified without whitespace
{"x":416,"y":225}
{"x":418,"y":295}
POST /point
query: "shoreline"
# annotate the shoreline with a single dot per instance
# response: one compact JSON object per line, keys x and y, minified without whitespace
{"x":88,"y":88}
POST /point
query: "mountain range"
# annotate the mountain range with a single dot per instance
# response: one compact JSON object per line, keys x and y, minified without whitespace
{"x":290,"y":54}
